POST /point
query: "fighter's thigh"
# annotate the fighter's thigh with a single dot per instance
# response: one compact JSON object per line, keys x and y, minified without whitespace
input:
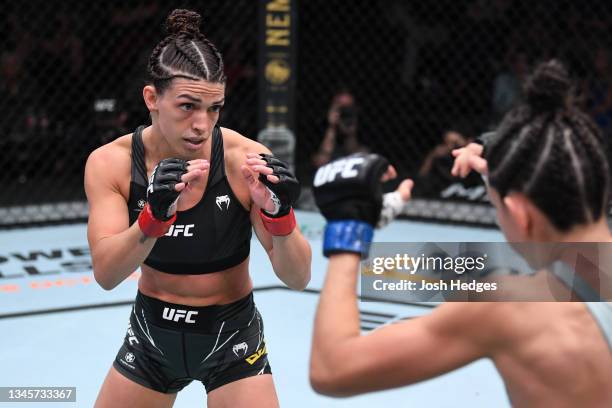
{"x":118,"y":391}
{"x":252,"y":392}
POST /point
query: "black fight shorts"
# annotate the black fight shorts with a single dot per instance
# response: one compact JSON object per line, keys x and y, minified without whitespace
{"x":169,"y":345}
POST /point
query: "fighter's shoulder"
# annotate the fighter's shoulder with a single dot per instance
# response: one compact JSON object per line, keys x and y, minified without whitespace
{"x":113,"y":158}
{"x":237,"y":145}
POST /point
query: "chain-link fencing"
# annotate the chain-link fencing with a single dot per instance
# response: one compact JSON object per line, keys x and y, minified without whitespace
{"x":424,"y":77}
{"x":72,"y":78}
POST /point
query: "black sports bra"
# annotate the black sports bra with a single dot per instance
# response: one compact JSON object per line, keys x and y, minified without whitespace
{"x":212,"y":236}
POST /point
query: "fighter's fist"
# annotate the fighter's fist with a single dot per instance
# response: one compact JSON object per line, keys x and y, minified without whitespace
{"x":273,"y":186}
{"x":350,"y":188}
{"x":161,"y":192}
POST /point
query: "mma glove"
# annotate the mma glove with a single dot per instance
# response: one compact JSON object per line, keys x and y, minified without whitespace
{"x":160,"y":211}
{"x":284,"y":194}
{"x":348,"y":192}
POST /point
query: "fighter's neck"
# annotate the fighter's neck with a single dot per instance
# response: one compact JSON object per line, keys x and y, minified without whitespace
{"x":157,"y":147}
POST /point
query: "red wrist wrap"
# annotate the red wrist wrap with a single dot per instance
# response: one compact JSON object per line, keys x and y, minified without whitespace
{"x":151,"y":226}
{"x":279,"y":226}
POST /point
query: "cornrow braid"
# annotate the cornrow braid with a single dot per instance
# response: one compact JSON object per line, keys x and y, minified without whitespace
{"x":552,"y":152}
{"x":184,"y":53}
{"x":592,"y":142}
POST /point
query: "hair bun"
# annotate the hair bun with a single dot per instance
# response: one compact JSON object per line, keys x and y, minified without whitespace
{"x":548,"y":88}
{"x":181,"y":21}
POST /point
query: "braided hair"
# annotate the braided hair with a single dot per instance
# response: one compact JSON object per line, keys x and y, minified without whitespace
{"x":549,"y":150}
{"x":184,"y":53}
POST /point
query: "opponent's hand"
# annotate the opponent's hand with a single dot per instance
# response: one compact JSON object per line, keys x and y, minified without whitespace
{"x":272,"y":185}
{"x":405,"y":189}
{"x":394,"y":203}
{"x":169,"y":178}
{"x":348,"y":191}
{"x":469,"y":158}
{"x":350,"y":188}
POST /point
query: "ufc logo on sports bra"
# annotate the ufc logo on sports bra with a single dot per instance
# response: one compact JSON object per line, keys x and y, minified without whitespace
{"x":183,"y":230}
{"x":343,"y":167}
{"x":178,"y":314}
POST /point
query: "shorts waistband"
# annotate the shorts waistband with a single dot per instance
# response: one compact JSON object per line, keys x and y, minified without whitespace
{"x":195,"y":318}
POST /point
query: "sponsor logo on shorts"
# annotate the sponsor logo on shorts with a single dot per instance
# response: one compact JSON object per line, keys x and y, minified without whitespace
{"x":224,"y":199}
{"x":127,"y":359}
{"x":256,"y":356}
{"x":178,"y":314}
{"x":176,"y":230}
{"x":240,"y":349}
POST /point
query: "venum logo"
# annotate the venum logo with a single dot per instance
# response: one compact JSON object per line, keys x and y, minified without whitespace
{"x":343,"y":167}
{"x":224,"y":199}
{"x":178,"y":314}
{"x":176,"y":230}
{"x":240,"y":349}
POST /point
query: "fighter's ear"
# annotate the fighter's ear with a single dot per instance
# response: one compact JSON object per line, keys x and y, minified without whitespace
{"x":150,"y":96}
{"x":519,"y":213}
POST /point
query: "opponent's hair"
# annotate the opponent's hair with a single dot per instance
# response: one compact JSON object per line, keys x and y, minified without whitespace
{"x":549,"y":150}
{"x":184,"y":53}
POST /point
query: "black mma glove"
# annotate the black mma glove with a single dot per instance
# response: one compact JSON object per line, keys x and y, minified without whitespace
{"x":348,"y":191}
{"x":161,"y":195}
{"x":284,"y":193}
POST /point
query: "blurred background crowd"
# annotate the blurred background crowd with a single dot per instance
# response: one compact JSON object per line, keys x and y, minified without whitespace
{"x":405,"y":78}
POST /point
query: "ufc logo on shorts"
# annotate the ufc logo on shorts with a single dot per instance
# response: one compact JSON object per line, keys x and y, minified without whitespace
{"x":343,"y":167}
{"x":176,"y":230}
{"x":178,"y":314}
{"x":131,"y":337}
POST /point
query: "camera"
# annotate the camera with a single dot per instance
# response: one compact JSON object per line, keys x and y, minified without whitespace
{"x":347,"y":116}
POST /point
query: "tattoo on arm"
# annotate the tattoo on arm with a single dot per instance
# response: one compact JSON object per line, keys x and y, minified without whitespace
{"x":143,"y":239}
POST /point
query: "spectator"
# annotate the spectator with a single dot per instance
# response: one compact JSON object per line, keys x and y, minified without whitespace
{"x":441,"y":154}
{"x":340,"y":138}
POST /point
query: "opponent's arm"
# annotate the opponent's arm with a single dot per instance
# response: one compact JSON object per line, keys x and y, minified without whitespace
{"x":343,"y":362}
{"x":274,"y":190}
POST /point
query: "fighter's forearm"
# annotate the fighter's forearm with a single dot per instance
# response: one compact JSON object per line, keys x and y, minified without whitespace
{"x":117,"y":257}
{"x":291,"y":257}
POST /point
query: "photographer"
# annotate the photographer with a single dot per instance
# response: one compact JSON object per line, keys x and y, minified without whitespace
{"x":340,"y":138}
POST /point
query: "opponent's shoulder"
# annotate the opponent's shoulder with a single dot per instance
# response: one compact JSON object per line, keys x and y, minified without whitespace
{"x":476,"y":320}
{"x":236,"y":144}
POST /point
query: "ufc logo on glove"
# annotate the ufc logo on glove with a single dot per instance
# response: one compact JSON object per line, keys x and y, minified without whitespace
{"x":343,"y":167}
